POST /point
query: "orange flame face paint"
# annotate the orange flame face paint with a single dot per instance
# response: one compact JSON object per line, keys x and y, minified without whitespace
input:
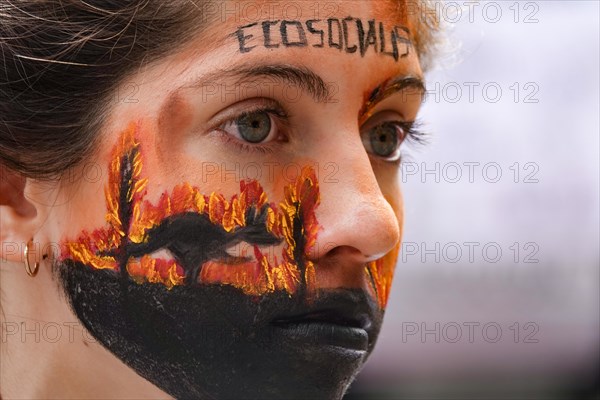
{"x":136,"y":228}
{"x":381,"y":274}
{"x":131,"y":219}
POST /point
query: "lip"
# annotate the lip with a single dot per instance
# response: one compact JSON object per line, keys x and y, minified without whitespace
{"x":326,"y":333}
{"x":343,"y":326}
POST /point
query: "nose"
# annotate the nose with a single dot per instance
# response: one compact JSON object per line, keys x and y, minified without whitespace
{"x":358,"y":224}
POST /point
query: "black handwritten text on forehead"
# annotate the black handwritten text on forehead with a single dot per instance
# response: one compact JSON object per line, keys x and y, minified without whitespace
{"x":351,"y":35}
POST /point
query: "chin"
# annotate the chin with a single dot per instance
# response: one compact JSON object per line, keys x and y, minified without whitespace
{"x":213,"y":341}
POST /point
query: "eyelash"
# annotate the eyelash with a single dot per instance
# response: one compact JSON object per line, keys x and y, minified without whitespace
{"x":413,"y":136}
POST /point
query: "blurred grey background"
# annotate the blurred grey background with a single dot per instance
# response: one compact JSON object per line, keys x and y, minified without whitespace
{"x":496,"y":294}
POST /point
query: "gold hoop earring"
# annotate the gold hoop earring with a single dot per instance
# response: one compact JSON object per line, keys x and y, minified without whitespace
{"x":36,"y":265}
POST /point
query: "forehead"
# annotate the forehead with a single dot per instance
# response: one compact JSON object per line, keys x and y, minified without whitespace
{"x":296,"y":29}
{"x":241,"y":12}
{"x":356,"y":44}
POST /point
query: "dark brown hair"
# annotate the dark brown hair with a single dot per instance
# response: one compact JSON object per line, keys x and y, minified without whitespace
{"x":62,"y":59}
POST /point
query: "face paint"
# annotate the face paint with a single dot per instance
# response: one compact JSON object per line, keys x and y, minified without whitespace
{"x":197,"y":229}
{"x":388,"y":88}
{"x":381,"y":273}
{"x":351,"y":35}
{"x":158,"y":288}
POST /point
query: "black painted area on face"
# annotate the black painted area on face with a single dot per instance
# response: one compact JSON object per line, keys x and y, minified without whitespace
{"x":193,"y":239}
{"x":212,"y":341}
{"x":125,"y":205}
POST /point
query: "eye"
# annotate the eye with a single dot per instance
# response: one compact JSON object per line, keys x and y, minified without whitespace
{"x":383,"y":140}
{"x":252,"y":127}
{"x":385,"y":132}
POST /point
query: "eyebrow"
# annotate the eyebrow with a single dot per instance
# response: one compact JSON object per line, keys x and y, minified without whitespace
{"x":301,"y":77}
{"x":391,"y":87}
{"x":309,"y":81}
{"x":394,"y":85}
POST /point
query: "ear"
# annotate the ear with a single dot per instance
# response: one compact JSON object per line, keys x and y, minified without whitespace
{"x":20,"y":214}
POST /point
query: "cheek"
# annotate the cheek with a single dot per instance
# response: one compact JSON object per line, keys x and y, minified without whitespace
{"x":81,"y":202}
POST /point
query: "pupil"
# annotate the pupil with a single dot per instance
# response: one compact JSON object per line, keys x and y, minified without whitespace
{"x":254,"y":127}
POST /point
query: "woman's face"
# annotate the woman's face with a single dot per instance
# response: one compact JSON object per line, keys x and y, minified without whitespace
{"x":239,"y":225}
